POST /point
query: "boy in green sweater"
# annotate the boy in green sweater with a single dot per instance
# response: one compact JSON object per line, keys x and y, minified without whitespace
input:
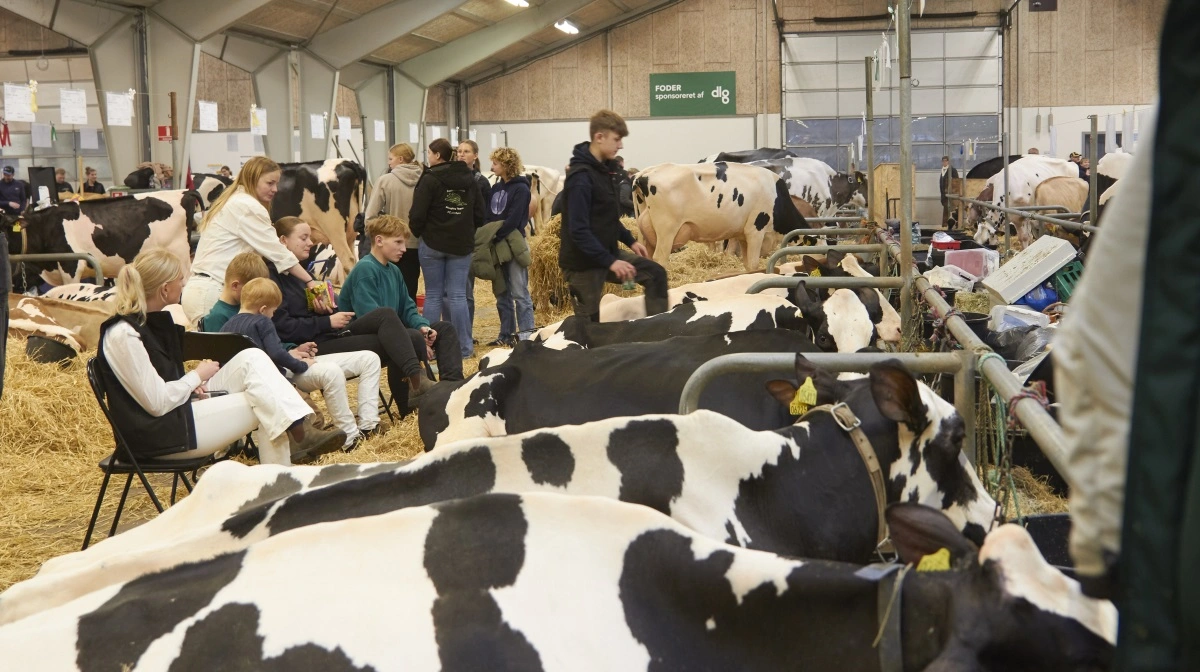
{"x":377,"y":282}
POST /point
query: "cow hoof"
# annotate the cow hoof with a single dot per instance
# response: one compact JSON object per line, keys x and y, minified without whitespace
{"x":49,"y":351}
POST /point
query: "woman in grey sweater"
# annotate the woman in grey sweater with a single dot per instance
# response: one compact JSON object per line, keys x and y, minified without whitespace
{"x":393,"y":195}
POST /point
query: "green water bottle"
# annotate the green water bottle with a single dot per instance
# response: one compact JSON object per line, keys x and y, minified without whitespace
{"x":628,"y":285}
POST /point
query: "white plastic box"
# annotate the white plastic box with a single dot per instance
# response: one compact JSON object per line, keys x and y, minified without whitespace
{"x":1029,"y":269}
{"x":1007,"y":317}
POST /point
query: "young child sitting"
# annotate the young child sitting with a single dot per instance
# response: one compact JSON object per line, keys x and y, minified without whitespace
{"x":243,"y":268}
{"x":308,"y":371}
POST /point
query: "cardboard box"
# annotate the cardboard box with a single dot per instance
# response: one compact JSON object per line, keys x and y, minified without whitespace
{"x":1031,"y":267}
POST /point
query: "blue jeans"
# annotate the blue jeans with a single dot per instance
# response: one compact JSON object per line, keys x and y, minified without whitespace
{"x":517,"y":281}
{"x":446,"y":283}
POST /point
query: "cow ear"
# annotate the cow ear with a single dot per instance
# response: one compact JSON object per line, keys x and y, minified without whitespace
{"x":918,"y":530}
{"x":834,"y":258}
{"x":830,"y":390}
{"x":809,"y":305}
{"x":808,"y":265}
{"x":896,"y":393}
{"x":783,"y":391}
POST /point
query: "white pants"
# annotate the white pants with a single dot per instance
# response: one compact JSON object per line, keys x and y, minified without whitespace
{"x":200,"y":294}
{"x":259,"y":400}
{"x":329,"y":374}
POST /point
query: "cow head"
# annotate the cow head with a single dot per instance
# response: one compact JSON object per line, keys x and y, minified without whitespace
{"x":849,"y":189}
{"x":1011,"y":609}
{"x":839,"y":323}
{"x":916,"y":435}
{"x":976,"y":213}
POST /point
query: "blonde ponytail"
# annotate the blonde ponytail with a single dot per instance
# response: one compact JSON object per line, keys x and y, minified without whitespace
{"x":149,"y":271}
{"x":131,"y":297}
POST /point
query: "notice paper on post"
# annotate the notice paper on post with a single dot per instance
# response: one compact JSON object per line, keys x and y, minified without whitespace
{"x":18,"y":103}
{"x":119,"y":106}
{"x":316,"y":124}
{"x":208,"y":115}
{"x":73,"y":106}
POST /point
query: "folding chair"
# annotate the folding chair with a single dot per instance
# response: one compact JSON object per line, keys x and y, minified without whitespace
{"x":123,"y":461}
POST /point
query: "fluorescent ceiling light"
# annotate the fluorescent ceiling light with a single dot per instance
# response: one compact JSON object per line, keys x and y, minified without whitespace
{"x":518,"y":3}
{"x":566,"y":27}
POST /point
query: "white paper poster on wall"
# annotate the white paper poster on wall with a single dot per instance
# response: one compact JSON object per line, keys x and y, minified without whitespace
{"x":380,"y":131}
{"x":258,"y":121}
{"x":41,"y":135}
{"x":454,"y":137}
{"x":208,"y":115}
{"x":119,"y":107}
{"x":316,"y":124}
{"x":495,"y":144}
{"x":344,"y":127}
{"x":414,"y":135}
{"x":231,"y":143}
{"x":73,"y":106}
{"x":435,"y":132}
{"x":258,"y":144}
{"x":89,"y":138}
{"x":473,"y":135}
{"x":18,"y":103}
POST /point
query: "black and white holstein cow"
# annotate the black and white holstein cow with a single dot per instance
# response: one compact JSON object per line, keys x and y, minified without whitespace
{"x":719,"y":316}
{"x":539,"y":387}
{"x":748,"y":155}
{"x":114,"y":230}
{"x":817,"y":189}
{"x":801,"y":491}
{"x":328,"y":195}
{"x":710,"y":202}
{"x":210,"y":186}
{"x":544,"y":581}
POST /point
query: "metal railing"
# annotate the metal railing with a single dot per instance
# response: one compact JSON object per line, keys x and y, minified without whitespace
{"x":961,"y":364}
{"x":1044,"y":430}
{"x":71,"y":256}
{"x":823,"y":282}
{"x":1066,"y":224}
{"x":818,"y":249}
{"x":825,"y":231}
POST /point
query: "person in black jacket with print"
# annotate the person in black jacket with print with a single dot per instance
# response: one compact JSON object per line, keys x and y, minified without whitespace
{"x":447,"y":208}
{"x":589,"y":252}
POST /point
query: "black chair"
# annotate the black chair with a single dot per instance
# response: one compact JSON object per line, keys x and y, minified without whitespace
{"x":219,"y":347}
{"x":123,"y":461}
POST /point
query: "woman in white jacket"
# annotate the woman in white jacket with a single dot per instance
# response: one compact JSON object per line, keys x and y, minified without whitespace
{"x":239,"y":221}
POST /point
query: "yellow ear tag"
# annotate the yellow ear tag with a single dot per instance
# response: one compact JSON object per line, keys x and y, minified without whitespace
{"x":16,"y":228}
{"x":806,"y":397}
{"x":935,"y":562}
{"x":816,"y":273}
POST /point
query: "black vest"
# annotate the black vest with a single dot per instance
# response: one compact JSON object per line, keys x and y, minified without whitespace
{"x":604,"y":218}
{"x":148,"y":436}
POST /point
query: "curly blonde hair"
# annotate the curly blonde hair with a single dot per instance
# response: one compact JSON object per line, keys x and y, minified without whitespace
{"x":509,"y":160}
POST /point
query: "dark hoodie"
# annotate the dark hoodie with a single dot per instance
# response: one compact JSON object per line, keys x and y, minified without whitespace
{"x":592,"y":213}
{"x":510,"y":201}
{"x":447,"y":209}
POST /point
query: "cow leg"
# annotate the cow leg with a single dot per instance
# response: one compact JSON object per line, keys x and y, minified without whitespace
{"x":752,"y":248}
{"x":645,"y":225}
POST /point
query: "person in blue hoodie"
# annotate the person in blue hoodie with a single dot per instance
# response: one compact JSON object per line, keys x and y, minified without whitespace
{"x":509,"y":201}
{"x":589,"y":253}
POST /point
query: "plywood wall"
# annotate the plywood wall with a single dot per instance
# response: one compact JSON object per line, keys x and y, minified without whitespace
{"x":1089,"y":52}
{"x":20,"y":34}
{"x":692,"y":36}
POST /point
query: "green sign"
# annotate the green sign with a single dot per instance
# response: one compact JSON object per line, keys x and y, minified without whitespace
{"x":693,"y":94}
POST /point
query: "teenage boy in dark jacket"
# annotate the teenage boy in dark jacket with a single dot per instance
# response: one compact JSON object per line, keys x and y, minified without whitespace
{"x":589,"y":252}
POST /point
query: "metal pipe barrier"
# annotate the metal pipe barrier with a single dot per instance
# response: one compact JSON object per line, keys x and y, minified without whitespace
{"x":825,"y":231}
{"x":823,"y":282}
{"x":847,"y":219}
{"x":785,"y":363}
{"x":72,"y":256}
{"x":817,"y":249}
{"x":1069,"y":225}
{"x":1044,"y":430}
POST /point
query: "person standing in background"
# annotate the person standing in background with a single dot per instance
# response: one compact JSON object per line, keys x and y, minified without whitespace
{"x":393,"y":196}
{"x":948,"y":174}
{"x":509,"y":203}
{"x":13,"y":196}
{"x":91,"y":186}
{"x":468,"y":153}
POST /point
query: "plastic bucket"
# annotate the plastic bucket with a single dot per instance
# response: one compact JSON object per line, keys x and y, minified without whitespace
{"x":976,"y":321}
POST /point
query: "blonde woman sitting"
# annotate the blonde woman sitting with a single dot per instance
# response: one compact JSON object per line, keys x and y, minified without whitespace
{"x":151,"y":398}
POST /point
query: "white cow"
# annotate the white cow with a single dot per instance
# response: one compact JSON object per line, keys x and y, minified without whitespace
{"x":1024,"y":176}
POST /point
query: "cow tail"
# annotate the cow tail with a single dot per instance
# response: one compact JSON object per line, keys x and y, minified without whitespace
{"x":640,"y":189}
{"x":786,"y":217}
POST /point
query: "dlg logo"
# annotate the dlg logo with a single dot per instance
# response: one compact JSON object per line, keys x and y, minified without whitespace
{"x":722,"y":93}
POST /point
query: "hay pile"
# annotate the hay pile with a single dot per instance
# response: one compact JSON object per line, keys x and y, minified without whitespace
{"x":976,"y":302}
{"x":696,"y":262}
{"x":1034,"y":495}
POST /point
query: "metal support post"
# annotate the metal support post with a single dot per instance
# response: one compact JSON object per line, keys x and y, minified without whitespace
{"x":870,"y":171}
{"x":1093,"y":150}
{"x":1004,"y":220}
{"x":785,"y":363}
{"x":904,"y":38}
{"x":964,"y":401}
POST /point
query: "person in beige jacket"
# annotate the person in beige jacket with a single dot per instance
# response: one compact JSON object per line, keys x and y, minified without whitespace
{"x":393,"y":195}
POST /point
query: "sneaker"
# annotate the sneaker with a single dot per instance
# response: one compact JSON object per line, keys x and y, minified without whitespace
{"x":503,"y":342}
{"x":316,"y":442}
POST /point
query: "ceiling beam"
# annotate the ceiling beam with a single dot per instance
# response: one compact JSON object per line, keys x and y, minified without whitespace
{"x":83,"y":22}
{"x":355,"y":39}
{"x":200,"y":21}
{"x":473,"y":18}
{"x":571,"y":40}
{"x":432,"y":67}
{"x":620,"y":5}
